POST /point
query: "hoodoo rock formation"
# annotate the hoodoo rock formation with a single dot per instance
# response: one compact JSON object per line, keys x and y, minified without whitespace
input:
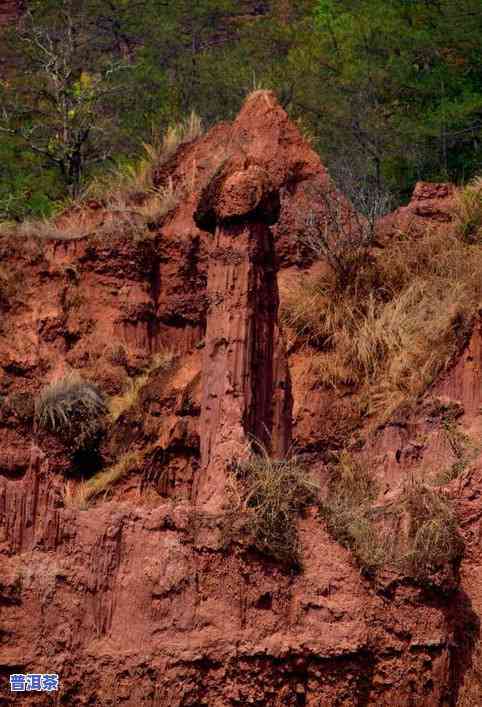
{"x":135,"y":599}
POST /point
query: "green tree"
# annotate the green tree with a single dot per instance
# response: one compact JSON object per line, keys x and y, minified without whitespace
{"x":59,"y":107}
{"x":397,"y":85}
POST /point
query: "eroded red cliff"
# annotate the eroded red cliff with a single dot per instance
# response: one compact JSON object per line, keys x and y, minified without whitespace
{"x":135,"y":599}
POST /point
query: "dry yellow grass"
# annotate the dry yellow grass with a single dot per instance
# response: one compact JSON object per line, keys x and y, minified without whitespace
{"x":130,"y":184}
{"x":416,"y":533}
{"x":391,"y":337}
{"x":121,"y":403}
{"x":45,"y":230}
{"x":184,"y":132}
{"x":101,"y":482}
{"x":267,"y":495}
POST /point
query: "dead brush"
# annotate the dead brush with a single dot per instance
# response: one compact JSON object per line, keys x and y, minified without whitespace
{"x":71,"y":408}
{"x":267,"y":496}
{"x":415,"y":534}
{"x":341,"y":237}
{"x":392,"y":340}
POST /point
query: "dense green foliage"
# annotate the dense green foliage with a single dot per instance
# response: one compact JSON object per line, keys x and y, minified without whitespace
{"x":391,"y":90}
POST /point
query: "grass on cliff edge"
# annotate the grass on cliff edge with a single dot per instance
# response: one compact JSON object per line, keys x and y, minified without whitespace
{"x":267,"y":496}
{"x":85,"y":492}
{"x":415,"y":534}
{"x":127,"y":192}
{"x":397,"y":326}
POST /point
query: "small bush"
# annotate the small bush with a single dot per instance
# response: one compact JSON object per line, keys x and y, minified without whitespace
{"x":268,"y":496}
{"x":347,"y":511}
{"x":71,"y":408}
{"x":416,"y":534}
{"x":432,"y":535}
{"x":341,"y":238}
{"x":346,"y":229}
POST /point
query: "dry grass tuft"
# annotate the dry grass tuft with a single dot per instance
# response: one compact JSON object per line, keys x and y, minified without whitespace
{"x":130,"y":187}
{"x":347,"y":511}
{"x":267,"y":496}
{"x":416,"y":534}
{"x":102,"y":482}
{"x":71,"y":408}
{"x":432,"y":538}
{"x":119,"y":404}
{"x":163,"y":148}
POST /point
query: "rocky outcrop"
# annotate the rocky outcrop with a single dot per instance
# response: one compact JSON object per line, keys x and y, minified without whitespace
{"x":430,"y":205}
{"x":135,"y":599}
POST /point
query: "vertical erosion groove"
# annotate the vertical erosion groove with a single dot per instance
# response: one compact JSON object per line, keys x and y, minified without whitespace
{"x":246,"y":384}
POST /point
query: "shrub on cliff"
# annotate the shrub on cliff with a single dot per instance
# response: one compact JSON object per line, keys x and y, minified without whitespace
{"x":415,"y":534}
{"x":71,"y":408}
{"x":268,"y":496}
{"x":432,"y":537}
{"x":347,"y":511}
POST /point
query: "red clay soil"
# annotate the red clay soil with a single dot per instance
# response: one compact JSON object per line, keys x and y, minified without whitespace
{"x":136,"y":600}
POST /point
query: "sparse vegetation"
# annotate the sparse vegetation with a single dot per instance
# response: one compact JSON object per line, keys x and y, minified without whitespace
{"x":347,"y":510}
{"x":432,"y":537}
{"x":401,"y":325}
{"x":267,"y":498}
{"x":71,"y":408}
{"x":462,"y":448}
{"x":102,"y":482}
{"x":131,"y":187}
{"x":51,"y":230}
{"x":415,"y":534}
{"x":119,"y":404}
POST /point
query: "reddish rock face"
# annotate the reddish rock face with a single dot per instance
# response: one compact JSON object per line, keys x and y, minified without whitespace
{"x":135,"y":600}
{"x":431,"y":205}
